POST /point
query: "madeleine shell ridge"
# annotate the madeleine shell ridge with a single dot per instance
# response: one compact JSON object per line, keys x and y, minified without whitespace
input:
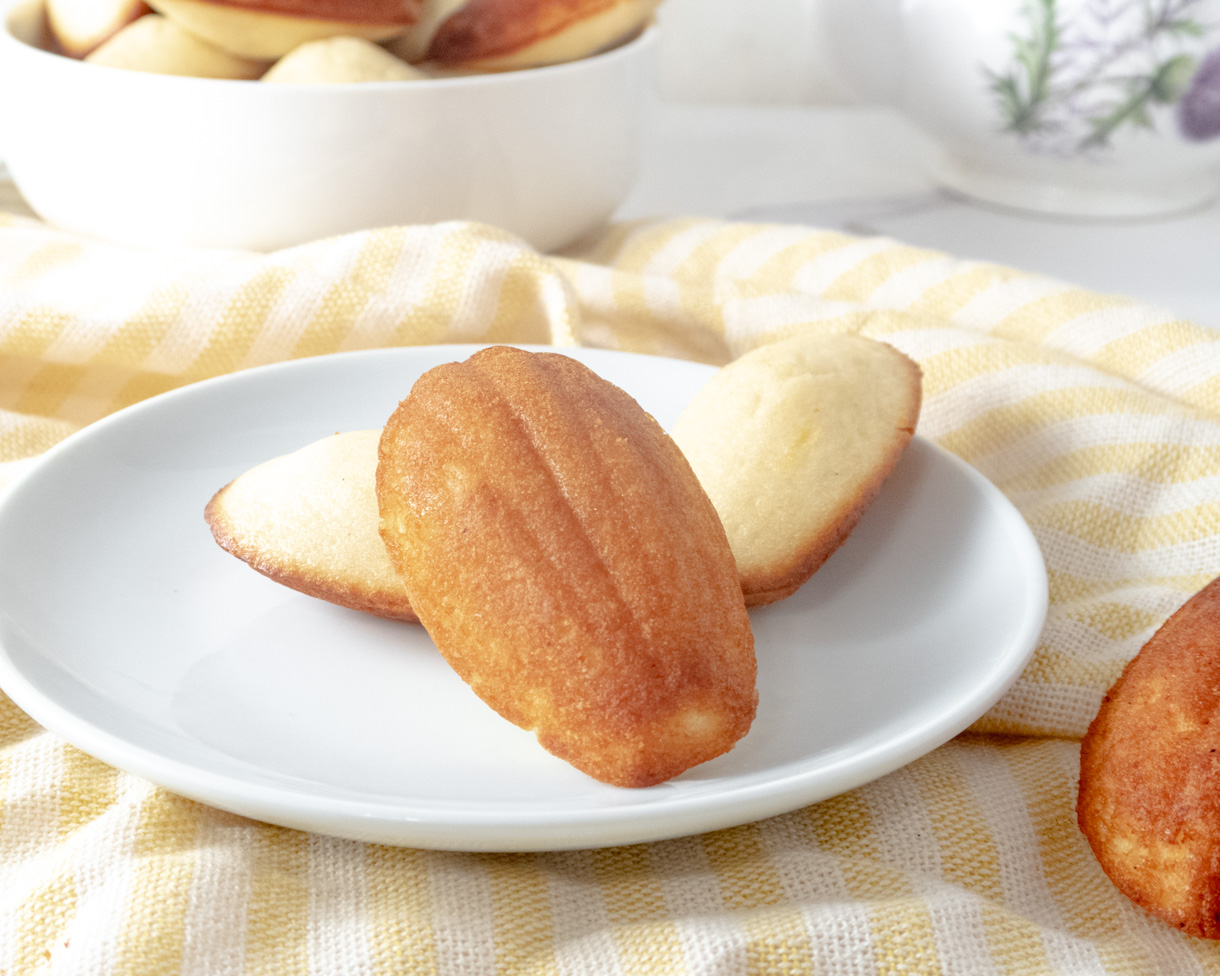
{"x":567,"y":564}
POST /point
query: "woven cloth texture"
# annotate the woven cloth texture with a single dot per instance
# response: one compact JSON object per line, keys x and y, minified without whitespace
{"x":1097,"y":416}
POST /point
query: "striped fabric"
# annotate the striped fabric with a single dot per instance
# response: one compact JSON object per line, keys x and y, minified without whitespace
{"x":1098,"y":417}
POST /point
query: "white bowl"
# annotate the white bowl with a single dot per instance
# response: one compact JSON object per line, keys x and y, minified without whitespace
{"x":547,"y":153}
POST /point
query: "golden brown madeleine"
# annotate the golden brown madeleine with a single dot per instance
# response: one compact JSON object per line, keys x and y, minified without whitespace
{"x":507,"y":34}
{"x":1149,"y":799}
{"x":309,"y":520}
{"x":339,"y":61}
{"x":568,"y":565}
{"x":792,"y":442}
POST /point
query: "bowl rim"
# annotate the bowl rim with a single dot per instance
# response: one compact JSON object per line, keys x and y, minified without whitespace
{"x":644,"y":39}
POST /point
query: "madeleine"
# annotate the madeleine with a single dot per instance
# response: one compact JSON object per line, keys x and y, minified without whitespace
{"x":792,"y":442}
{"x":568,"y":565}
{"x":499,"y":35}
{"x":309,"y":520}
{"x":1149,"y":797}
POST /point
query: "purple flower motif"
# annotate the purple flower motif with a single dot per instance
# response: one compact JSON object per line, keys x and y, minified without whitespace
{"x":1199,"y":109}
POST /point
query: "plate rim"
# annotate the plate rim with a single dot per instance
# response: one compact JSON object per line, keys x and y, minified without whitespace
{"x":498,"y":829}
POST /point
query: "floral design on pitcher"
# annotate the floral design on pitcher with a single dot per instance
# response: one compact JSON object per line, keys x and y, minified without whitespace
{"x":1073,"y":82}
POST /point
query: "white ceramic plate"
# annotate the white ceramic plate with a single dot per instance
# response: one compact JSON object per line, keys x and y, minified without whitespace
{"x":126,"y":630}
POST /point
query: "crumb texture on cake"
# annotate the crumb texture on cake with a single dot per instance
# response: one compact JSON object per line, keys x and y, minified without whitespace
{"x":1149,"y":794}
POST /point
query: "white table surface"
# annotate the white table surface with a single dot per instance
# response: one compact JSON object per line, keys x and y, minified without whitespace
{"x":867,"y":171}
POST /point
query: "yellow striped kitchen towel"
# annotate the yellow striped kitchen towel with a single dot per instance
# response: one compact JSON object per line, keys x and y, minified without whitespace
{"x":1098,"y":417}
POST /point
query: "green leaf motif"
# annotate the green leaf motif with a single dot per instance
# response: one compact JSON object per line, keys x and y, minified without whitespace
{"x":1023,"y":93}
{"x":1173,"y":78}
{"x":1073,"y":101}
{"x":1184,"y":27}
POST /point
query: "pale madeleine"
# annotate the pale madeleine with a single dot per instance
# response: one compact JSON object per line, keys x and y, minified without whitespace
{"x":270,"y":29}
{"x":159,"y":46}
{"x":339,"y":61}
{"x":792,"y":442}
{"x":79,"y":26}
{"x":309,"y":520}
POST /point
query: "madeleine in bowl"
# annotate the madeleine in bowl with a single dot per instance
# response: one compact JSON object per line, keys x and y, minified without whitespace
{"x":504,"y":35}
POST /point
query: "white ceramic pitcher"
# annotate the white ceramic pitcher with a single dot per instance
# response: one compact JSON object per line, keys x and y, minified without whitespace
{"x":1103,"y":108}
